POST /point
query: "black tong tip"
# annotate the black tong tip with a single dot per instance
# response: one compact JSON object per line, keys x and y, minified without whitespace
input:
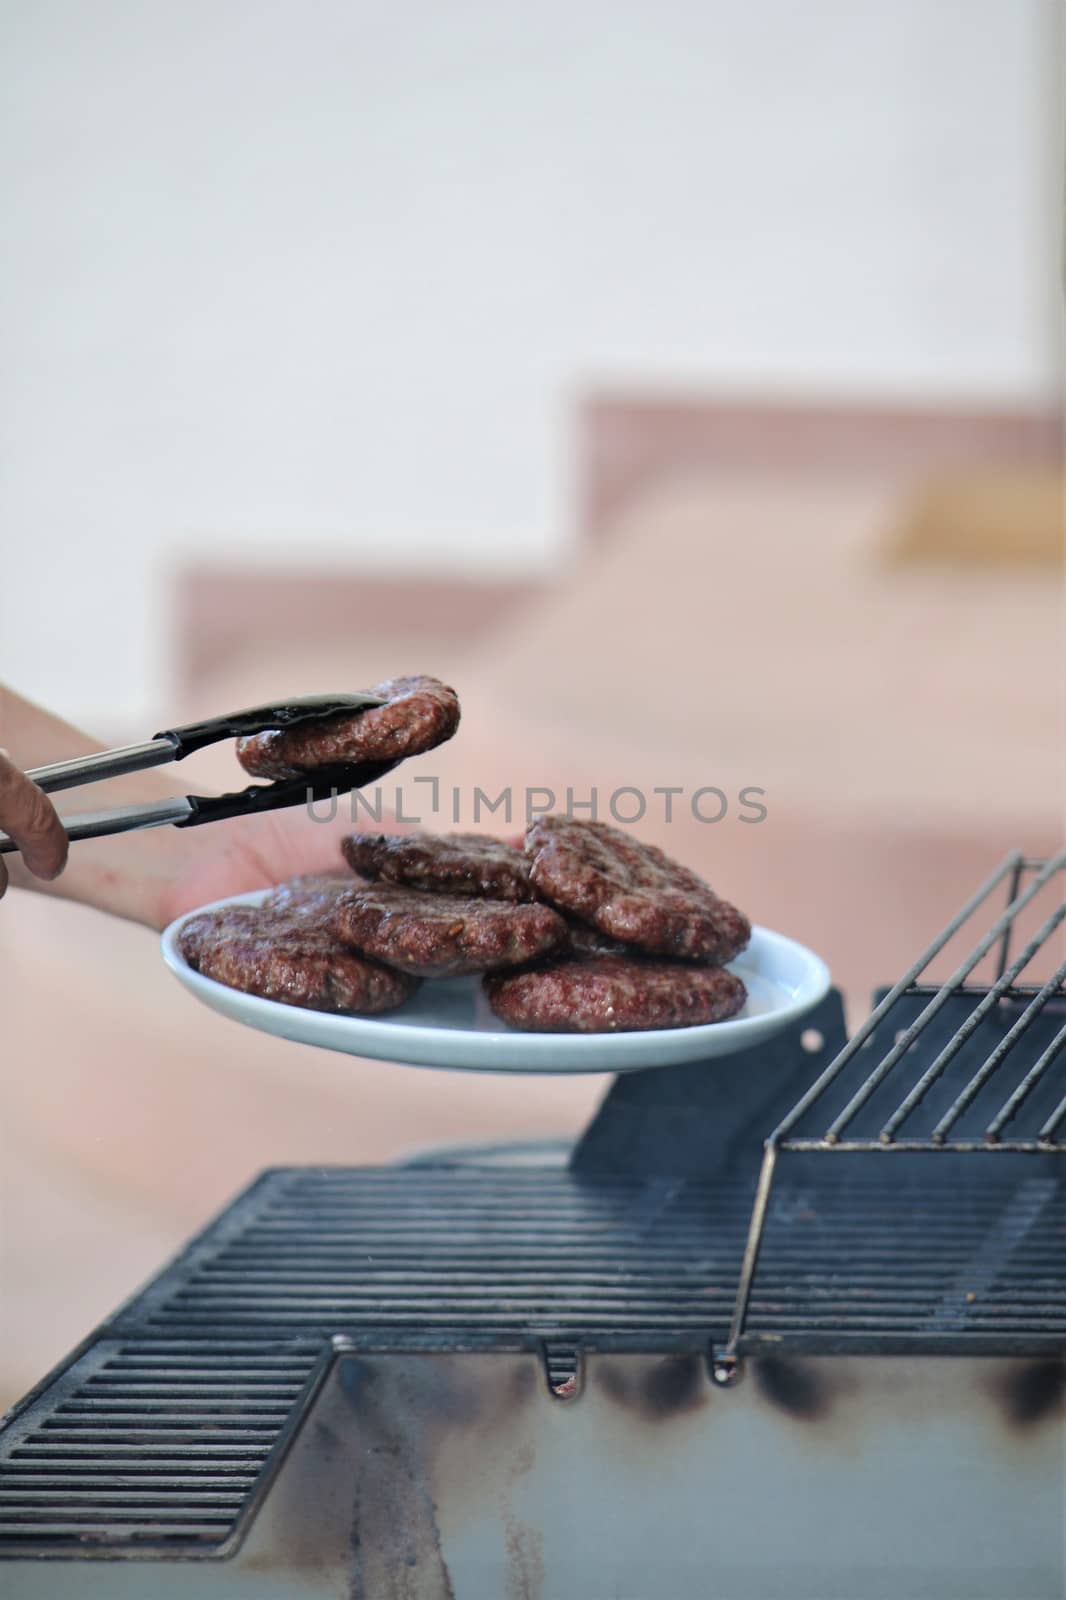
{"x":261,"y":719}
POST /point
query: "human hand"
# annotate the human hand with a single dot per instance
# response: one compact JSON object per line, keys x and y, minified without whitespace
{"x":155,"y":875}
{"x":29,"y":817}
{"x":248,"y":853}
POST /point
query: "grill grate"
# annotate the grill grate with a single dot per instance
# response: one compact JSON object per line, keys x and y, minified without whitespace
{"x":940,"y":1068}
{"x":440,"y":1256}
{"x":1010,"y":1073}
{"x":148,"y":1444}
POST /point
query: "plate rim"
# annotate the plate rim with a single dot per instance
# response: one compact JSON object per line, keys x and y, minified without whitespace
{"x":538,"y":1047}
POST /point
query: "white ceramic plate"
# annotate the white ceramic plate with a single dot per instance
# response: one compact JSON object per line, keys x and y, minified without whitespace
{"x":448,"y":1022}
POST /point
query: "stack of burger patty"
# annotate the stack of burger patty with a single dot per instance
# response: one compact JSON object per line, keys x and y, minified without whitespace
{"x":584,"y":930}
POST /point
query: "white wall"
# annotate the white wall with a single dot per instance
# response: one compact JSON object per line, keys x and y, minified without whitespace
{"x":278,"y":273}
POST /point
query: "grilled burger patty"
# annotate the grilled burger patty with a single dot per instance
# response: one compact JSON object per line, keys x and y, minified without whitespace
{"x":613,"y":994}
{"x":447,"y":863}
{"x":312,"y":898}
{"x":420,"y":713}
{"x":289,"y":955}
{"x":583,"y":940}
{"x":443,"y":935}
{"x":632,"y":891}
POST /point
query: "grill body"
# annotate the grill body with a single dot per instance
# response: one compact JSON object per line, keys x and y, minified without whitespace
{"x":664,"y":1367}
{"x":463,"y":1380}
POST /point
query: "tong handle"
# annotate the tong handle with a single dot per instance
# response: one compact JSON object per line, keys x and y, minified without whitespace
{"x":117,"y":819}
{"x":105,"y":764}
{"x":191,"y":810}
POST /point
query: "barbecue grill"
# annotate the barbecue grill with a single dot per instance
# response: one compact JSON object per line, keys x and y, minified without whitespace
{"x":671,"y":1361}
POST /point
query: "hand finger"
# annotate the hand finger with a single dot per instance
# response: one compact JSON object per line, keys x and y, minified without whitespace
{"x":27,"y":814}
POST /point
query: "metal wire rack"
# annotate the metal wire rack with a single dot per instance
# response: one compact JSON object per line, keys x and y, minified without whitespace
{"x":968,"y":1063}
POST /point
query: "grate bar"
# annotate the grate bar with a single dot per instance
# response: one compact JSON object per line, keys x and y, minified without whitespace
{"x":1020,"y":1147}
{"x":545,"y":1259}
{"x":84,"y":1529}
{"x":193,"y":1412}
{"x":1012,"y":892}
{"x":802,"y":1244}
{"x":129,"y":1500}
{"x":113,"y":1528}
{"x":1025,"y":1088}
{"x":215,"y":1454}
{"x":130,"y":1433}
{"x":876,"y":1247}
{"x":1051,"y":1127}
{"x":28,"y":1476}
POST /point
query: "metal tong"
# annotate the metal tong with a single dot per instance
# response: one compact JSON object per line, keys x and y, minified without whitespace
{"x":190,"y":810}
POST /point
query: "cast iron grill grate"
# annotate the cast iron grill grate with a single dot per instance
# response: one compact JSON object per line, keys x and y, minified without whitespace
{"x":444,"y":1257}
{"x":943,"y":1068}
{"x":148,"y":1443}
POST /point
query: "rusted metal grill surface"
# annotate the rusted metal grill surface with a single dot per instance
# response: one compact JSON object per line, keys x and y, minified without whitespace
{"x":443,"y":1256}
{"x":148,"y":1443}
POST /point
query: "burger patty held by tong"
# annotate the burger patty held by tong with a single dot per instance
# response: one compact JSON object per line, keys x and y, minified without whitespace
{"x":420,"y":713}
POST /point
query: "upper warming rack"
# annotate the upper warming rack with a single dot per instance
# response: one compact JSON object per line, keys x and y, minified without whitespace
{"x":962,"y":1066}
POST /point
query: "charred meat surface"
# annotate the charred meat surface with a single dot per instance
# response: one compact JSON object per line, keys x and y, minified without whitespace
{"x":442,"y":935}
{"x":419,"y":713}
{"x":632,"y":891}
{"x":444,"y":863}
{"x":289,"y":955}
{"x":614,"y":994}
